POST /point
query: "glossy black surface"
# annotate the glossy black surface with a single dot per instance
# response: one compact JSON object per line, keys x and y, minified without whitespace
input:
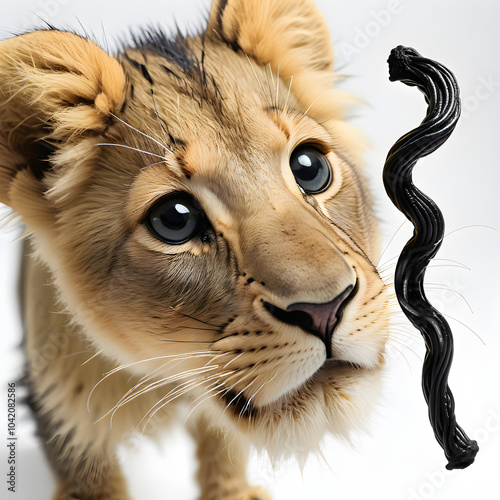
{"x":442,"y":96}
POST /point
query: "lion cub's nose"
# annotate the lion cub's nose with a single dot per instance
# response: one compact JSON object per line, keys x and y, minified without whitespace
{"x":318,"y":319}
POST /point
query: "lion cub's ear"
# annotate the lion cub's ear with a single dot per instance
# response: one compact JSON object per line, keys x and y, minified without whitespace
{"x":291,"y":33}
{"x":55,"y":88}
{"x":293,"y":37}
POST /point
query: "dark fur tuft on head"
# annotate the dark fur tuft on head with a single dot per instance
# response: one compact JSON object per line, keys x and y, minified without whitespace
{"x":184,"y":54}
{"x":174,"y":49}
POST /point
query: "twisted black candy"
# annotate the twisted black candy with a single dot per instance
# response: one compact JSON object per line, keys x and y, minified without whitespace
{"x":442,"y":96}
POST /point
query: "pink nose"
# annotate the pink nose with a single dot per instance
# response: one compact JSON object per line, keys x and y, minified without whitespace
{"x":318,"y":319}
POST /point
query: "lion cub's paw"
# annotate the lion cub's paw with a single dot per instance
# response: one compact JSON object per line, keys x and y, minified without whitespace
{"x":69,"y":496}
{"x":254,"y":493}
{"x":90,"y":494}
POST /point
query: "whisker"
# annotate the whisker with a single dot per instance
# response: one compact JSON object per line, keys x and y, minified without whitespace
{"x":123,"y":367}
{"x":255,"y":73}
{"x":164,"y":146}
{"x":194,"y":318}
{"x":439,"y":286}
{"x":73,"y":354}
{"x":154,"y":386}
{"x":233,"y":359}
{"x":314,"y":102}
{"x":392,"y":239}
{"x":123,"y":401}
{"x":464,"y":325}
{"x":272,"y":76}
{"x":130,"y":395}
{"x":238,"y":395}
{"x":152,"y":165}
{"x":184,"y":341}
{"x":196,"y":384}
{"x":270,"y":84}
{"x":130,"y":147}
{"x":168,"y":398}
{"x":92,"y":357}
{"x":277,"y":86}
{"x":250,"y":372}
{"x":470,"y":227}
{"x":180,"y":328}
{"x":458,"y":264}
{"x":400,"y":352}
{"x":402,"y":344}
{"x":285,"y":106}
{"x":255,"y":393}
{"x":160,"y":122}
{"x":221,"y":384}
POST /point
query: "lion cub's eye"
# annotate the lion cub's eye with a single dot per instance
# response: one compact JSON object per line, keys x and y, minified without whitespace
{"x":311,"y":169}
{"x":175,"y":218}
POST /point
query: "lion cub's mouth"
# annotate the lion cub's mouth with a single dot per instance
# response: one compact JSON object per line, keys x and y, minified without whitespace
{"x":243,"y":407}
{"x":329,"y":369}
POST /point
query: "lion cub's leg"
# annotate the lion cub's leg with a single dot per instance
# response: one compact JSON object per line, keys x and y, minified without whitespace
{"x":61,"y":375}
{"x":81,"y":452}
{"x":222,"y":466}
{"x":112,"y":487}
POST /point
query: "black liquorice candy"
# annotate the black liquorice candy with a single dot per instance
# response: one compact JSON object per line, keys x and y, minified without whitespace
{"x":441,"y":93}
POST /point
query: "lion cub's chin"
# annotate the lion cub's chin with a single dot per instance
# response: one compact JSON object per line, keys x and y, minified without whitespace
{"x":337,"y":401}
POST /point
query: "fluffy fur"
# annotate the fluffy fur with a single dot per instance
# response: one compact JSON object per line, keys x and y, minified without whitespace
{"x":123,"y":326}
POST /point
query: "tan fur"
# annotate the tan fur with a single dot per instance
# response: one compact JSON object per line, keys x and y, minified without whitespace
{"x":123,"y":327}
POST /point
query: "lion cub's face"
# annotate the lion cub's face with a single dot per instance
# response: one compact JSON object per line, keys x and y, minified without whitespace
{"x":214,"y":230}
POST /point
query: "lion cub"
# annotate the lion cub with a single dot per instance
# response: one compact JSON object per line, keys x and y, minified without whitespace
{"x":201,"y":240}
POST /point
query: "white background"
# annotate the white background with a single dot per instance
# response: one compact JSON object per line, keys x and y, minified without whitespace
{"x":400,"y":459}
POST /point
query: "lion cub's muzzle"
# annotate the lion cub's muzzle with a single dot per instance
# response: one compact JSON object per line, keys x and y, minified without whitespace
{"x":317,"y":319}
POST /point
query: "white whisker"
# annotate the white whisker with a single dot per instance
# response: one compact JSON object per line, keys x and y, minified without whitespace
{"x":439,"y":286}
{"x":255,"y":393}
{"x":92,"y":357}
{"x":160,"y":383}
{"x":469,"y":227}
{"x":465,"y":326}
{"x":205,"y":398}
{"x":277,"y":86}
{"x":152,"y":165}
{"x":255,"y":73}
{"x":312,"y":104}
{"x":123,"y":367}
{"x":392,"y":239}
{"x":164,"y":146}
{"x":288,"y":94}
{"x":233,"y":359}
{"x":130,"y":147}
{"x":272,"y":76}
{"x":193,"y":384}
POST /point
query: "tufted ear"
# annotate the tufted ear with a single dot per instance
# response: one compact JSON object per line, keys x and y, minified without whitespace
{"x":293,"y":37}
{"x":56,"y":88}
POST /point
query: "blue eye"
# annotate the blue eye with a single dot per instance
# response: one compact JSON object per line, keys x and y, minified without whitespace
{"x":175,"y":218}
{"x":311,"y":169}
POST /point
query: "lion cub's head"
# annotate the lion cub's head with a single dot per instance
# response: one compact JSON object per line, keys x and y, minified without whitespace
{"x":200,"y":206}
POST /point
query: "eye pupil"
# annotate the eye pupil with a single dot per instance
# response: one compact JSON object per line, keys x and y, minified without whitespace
{"x":311,"y":169}
{"x":175,"y":218}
